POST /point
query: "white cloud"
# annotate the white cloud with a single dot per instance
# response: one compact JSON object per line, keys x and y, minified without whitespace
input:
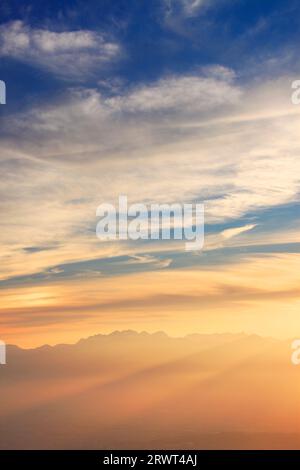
{"x":67,"y":54}
{"x":148,"y":259}
{"x":191,"y":7}
{"x":233,"y":232}
{"x":186,"y":8}
{"x":186,"y":94}
{"x":169,"y":141}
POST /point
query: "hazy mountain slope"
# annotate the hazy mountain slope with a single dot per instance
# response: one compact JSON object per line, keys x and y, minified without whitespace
{"x":129,"y":390}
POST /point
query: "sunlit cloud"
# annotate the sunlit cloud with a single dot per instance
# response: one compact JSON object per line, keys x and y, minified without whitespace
{"x":233,"y":232}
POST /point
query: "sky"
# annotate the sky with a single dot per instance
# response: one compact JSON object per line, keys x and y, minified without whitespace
{"x":164,"y":101}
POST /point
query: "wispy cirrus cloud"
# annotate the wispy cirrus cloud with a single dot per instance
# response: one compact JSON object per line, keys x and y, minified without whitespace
{"x":211,"y":88}
{"x":186,"y":8}
{"x":233,"y":232}
{"x":187,"y":137}
{"x":68,"y":54}
{"x":191,"y":7}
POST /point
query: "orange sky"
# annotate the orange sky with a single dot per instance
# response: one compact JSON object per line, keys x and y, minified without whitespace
{"x":259,"y":296}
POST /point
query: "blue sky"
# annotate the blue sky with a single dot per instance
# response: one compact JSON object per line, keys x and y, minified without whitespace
{"x":157,"y":37}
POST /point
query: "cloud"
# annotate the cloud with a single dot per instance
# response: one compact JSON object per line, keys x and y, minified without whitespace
{"x":233,"y":232}
{"x":149,"y":260}
{"x":185,"y":8}
{"x":68,"y":54}
{"x":260,"y":295}
{"x":191,"y":7}
{"x":197,"y":137}
{"x":190,"y":93}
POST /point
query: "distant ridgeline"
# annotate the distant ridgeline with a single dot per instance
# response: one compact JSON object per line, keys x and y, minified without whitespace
{"x":2,"y":92}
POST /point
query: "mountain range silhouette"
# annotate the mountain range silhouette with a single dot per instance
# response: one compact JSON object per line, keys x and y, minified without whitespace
{"x":130,"y":390}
